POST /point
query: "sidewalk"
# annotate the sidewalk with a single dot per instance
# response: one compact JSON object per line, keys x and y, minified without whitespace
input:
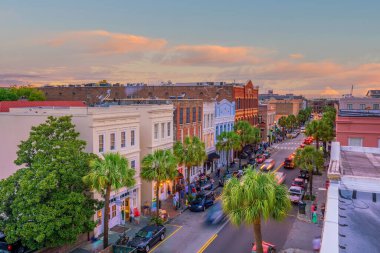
{"x":303,"y":231}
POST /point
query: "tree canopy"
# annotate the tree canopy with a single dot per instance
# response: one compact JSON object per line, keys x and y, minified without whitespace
{"x":15,"y":93}
{"x":45,"y":204}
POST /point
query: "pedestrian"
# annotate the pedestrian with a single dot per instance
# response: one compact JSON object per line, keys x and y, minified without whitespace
{"x":136,"y":215}
{"x":146,"y":208}
{"x":323,"y":207}
{"x":131,"y":215}
{"x":317,"y":244}
{"x":314,"y":218}
{"x":175,"y":200}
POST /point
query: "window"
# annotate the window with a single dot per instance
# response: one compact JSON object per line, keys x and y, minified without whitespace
{"x":204,"y":121}
{"x":175,"y":116}
{"x":101,"y":143}
{"x":376,"y":106}
{"x":132,"y":137}
{"x":194,"y":114}
{"x":349,"y":106}
{"x":112,"y":144}
{"x":362,"y":106}
{"x":133,"y":164}
{"x":181,"y":115}
{"x":113,"y":211}
{"x":187,"y":115}
{"x":355,"y":141}
{"x":155,"y":131}
{"x":208,"y":120}
{"x":169,"y":126}
{"x":200,"y":114}
{"x":162,"y":130}
{"x":123,"y":140}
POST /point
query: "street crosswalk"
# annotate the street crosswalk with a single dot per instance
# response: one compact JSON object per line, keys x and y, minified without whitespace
{"x":287,"y":145}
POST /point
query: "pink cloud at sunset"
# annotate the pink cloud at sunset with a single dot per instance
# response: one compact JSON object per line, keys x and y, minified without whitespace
{"x":104,"y":42}
{"x":328,"y":91}
{"x":296,"y":56}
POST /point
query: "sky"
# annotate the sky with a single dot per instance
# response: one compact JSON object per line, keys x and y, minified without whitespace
{"x":314,"y":48}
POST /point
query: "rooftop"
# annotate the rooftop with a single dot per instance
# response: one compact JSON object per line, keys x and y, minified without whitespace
{"x":359,"y":113}
{"x":360,"y":164}
{"x":6,"y":105}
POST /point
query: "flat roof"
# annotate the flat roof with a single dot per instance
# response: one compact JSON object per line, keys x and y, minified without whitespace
{"x":359,"y":113}
{"x":358,"y":221}
{"x":362,"y":164}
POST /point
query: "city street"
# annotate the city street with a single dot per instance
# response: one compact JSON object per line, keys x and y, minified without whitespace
{"x":194,"y":236}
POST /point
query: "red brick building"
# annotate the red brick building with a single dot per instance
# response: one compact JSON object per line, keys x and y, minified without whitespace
{"x":245,"y":95}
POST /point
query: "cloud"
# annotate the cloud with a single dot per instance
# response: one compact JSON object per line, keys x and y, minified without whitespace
{"x":104,"y":42}
{"x":328,"y":91}
{"x":213,"y":55}
{"x":296,"y":56}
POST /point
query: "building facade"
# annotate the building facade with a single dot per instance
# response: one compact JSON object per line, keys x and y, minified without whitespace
{"x":224,"y":122}
{"x":103,"y":129}
{"x":357,"y":103}
{"x":286,"y":107}
{"x":208,"y":133}
{"x":373,"y":93}
{"x":317,"y":105}
{"x":267,"y":114}
{"x":358,"y":128}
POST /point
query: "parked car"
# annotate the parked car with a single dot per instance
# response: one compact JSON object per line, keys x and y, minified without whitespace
{"x":260,"y":159}
{"x":289,"y":163}
{"x":215,"y":214}
{"x":280,"y":177}
{"x":202,"y":201}
{"x":243,"y":155}
{"x":267,"y":247}
{"x":299,"y":182}
{"x":296,"y":194}
{"x":224,"y":179}
{"x":252,"y":162}
{"x":267,"y":154}
{"x":147,"y":237}
{"x":204,"y":184}
{"x":268,"y":165}
{"x":304,"y":174}
{"x":15,"y":247}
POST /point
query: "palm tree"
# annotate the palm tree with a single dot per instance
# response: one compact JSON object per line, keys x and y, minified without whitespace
{"x":159,"y":166}
{"x":309,"y":159}
{"x":228,"y":141}
{"x":326,"y":132}
{"x":312,"y":129}
{"x":255,"y":197}
{"x":190,"y":153}
{"x":291,"y":121}
{"x":282,"y":123}
{"x":111,"y":173}
{"x":246,"y":133}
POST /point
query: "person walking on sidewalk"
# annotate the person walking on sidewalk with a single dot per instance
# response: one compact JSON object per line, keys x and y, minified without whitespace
{"x":175,"y":200}
{"x":323,"y":208}
{"x":317,"y":244}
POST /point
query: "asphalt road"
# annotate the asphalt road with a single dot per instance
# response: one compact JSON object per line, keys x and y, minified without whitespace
{"x":240,"y":239}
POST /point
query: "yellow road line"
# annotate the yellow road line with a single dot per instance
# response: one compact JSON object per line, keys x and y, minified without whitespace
{"x":278,"y":167}
{"x":175,"y":231}
{"x":209,"y":241}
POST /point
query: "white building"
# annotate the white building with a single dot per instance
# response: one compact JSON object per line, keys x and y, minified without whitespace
{"x":104,"y":130}
{"x":208,"y":132}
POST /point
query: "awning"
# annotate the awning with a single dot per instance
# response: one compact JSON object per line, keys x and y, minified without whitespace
{"x":213,"y":156}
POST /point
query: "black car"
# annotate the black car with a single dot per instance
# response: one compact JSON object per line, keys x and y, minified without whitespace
{"x":304,"y":174}
{"x":224,"y":179}
{"x":243,"y":155}
{"x":204,"y":185}
{"x":202,"y":201}
{"x":10,"y":247}
{"x":147,"y":237}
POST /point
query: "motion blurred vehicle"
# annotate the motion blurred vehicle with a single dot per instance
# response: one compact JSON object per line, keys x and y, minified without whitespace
{"x":267,"y":247}
{"x":289,"y":162}
{"x":308,"y":140}
{"x":299,"y":182}
{"x":202,"y":201}
{"x":268,"y":165}
{"x":11,"y":247}
{"x":147,"y":237}
{"x":215,"y":215}
{"x":280,"y":177}
{"x":260,"y":159}
{"x":224,"y":179}
{"x":303,"y":129}
{"x":296,"y":194}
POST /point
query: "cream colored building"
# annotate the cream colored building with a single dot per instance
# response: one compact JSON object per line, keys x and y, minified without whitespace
{"x":208,"y":131}
{"x":104,"y":130}
{"x":285,"y":107}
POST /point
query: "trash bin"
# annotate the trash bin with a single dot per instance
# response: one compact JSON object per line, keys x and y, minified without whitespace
{"x":302,"y":207}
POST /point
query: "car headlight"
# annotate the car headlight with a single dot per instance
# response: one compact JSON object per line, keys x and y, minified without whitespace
{"x":200,"y":206}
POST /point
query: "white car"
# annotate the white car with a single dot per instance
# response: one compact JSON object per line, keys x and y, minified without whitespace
{"x":296,"y":194}
{"x":303,"y":129}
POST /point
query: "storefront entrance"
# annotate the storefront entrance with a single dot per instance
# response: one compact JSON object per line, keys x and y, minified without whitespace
{"x":125,"y":209}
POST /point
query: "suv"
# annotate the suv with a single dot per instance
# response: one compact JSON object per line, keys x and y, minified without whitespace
{"x":288,"y":163}
{"x":296,"y":194}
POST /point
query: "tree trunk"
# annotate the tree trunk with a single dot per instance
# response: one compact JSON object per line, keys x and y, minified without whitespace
{"x":258,"y":236}
{"x":157,"y":200}
{"x":317,"y":143}
{"x":324,"y":147}
{"x":188,"y":174}
{"x":227,"y":155}
{"x":106,"y":215}
{"x":241,"y":152}
{"x":311,"y":184}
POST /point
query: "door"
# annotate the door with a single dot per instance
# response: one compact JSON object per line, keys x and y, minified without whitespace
{"x":125,"y":209}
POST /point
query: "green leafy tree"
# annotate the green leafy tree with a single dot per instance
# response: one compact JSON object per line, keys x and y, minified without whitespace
{"x":108,"y":174}
{"x":282,"y":122}
{"x":7,"y":95}
{"x":326,"y":132}
{"x":228,"y":141}
{"x":247,"y":135}
{"x":302,"y":117}
{"x":309,"y":159}
{"x":291,"y":121}
{"x":32,"y":94}
{"x":255,"y":197}
{"x":313,"y":129}
{"x":190,"y":153}
{"x":45,"y":204}
{"x":158,"y":167}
